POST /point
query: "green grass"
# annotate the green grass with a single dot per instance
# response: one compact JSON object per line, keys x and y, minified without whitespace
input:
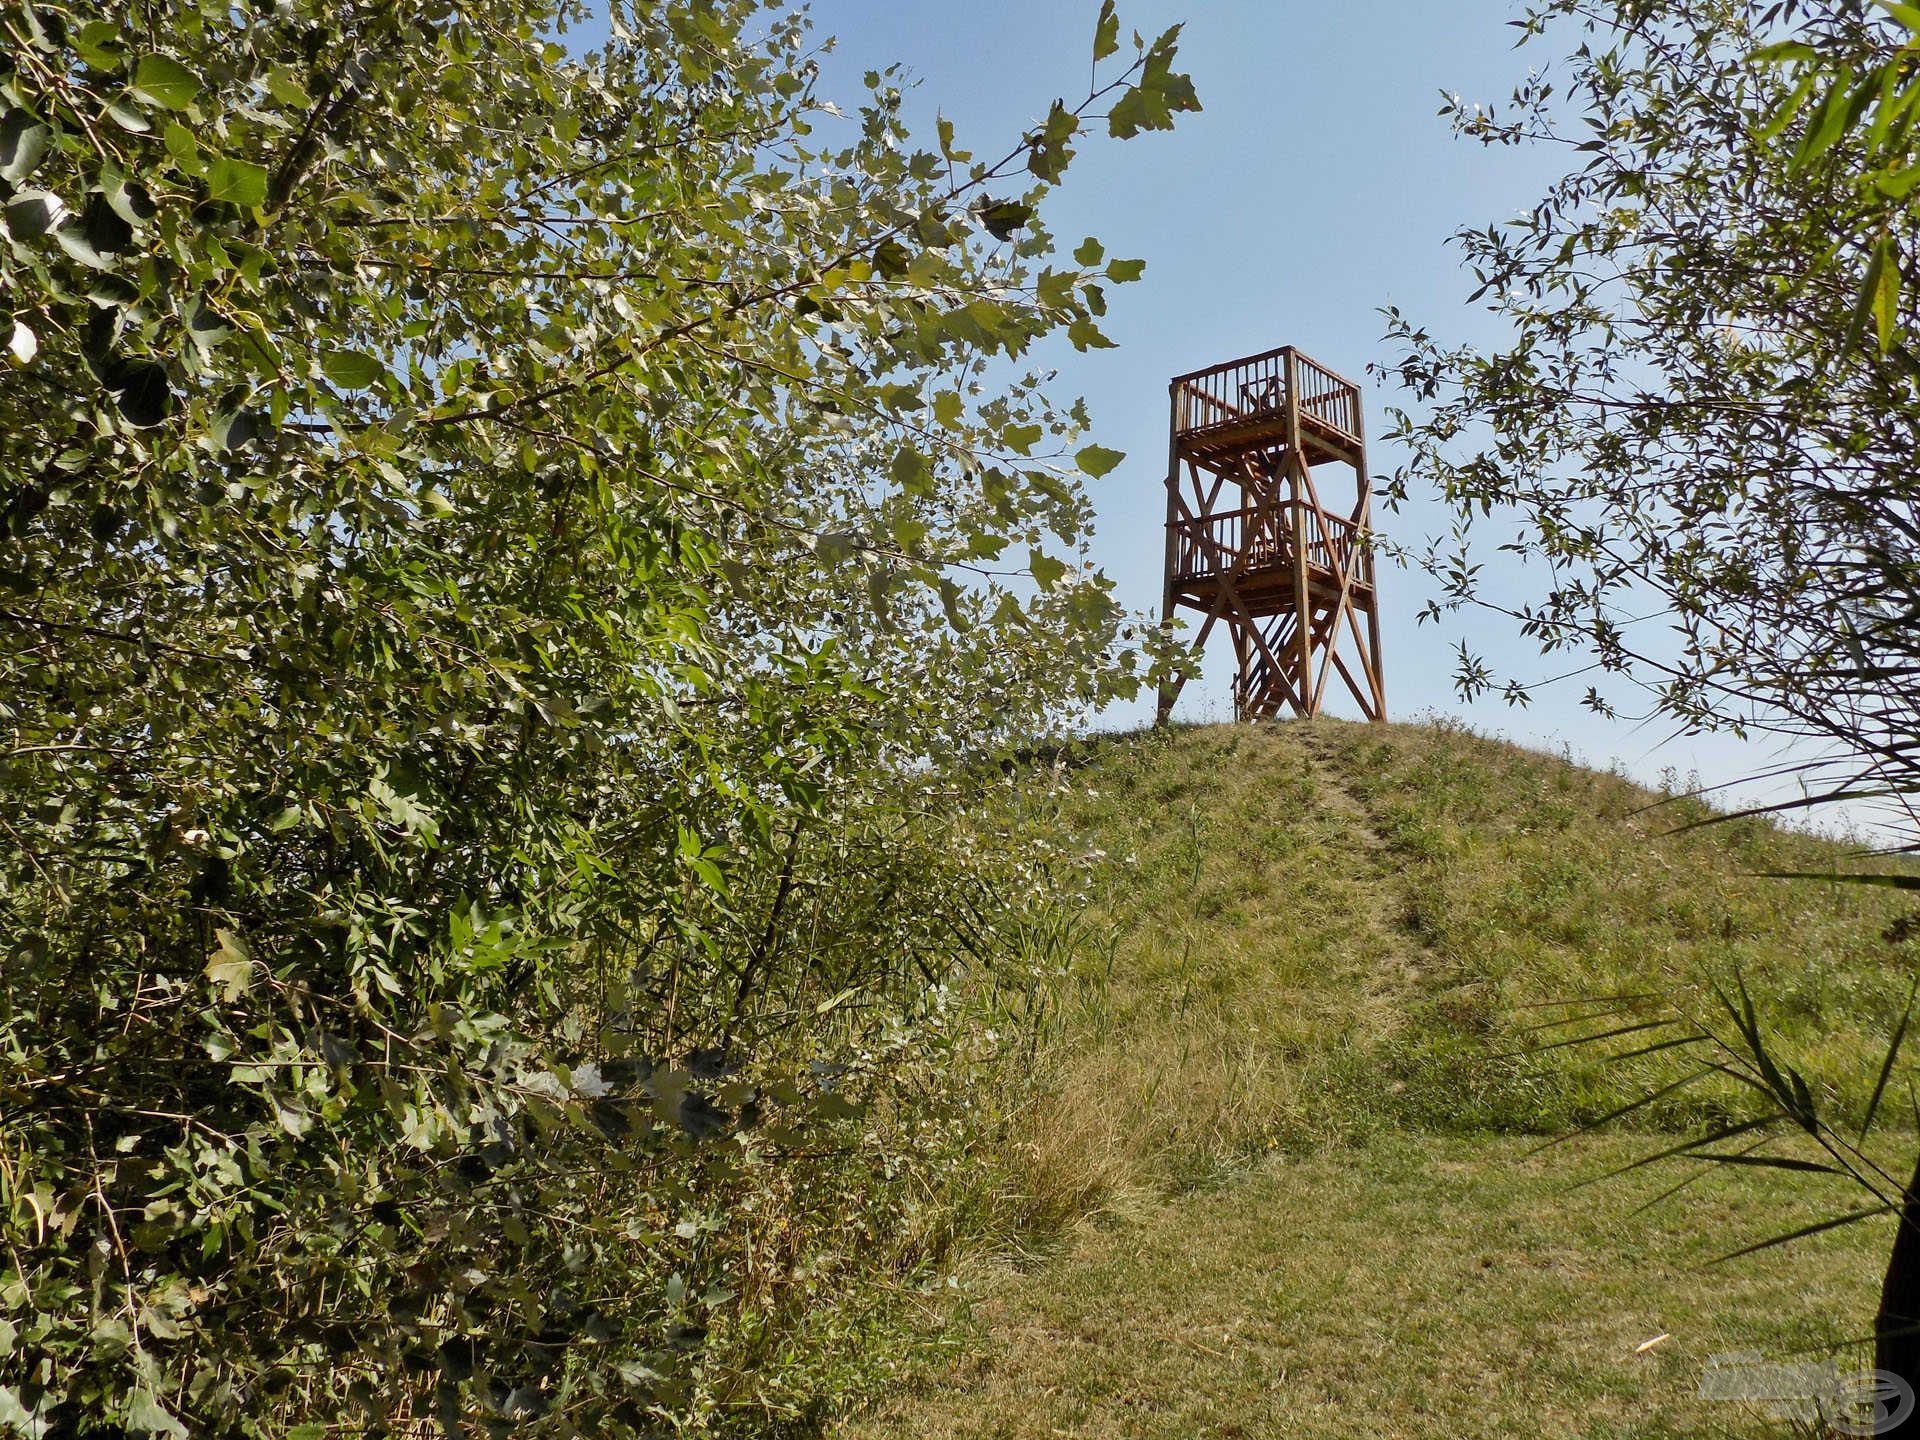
{"x":1414,"y":1286}
{"x":1294,"y":1093}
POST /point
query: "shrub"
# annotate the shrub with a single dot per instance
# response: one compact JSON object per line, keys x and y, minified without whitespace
{"x":499,"y":562}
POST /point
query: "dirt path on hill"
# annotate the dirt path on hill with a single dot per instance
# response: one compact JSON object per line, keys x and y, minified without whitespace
{"x":1404,"y":957}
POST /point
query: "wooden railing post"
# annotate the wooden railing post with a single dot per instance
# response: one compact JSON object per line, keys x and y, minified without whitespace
{"x":1170,"y":684}
{"x":1363,"y":543}
{"x":1296,"y":463}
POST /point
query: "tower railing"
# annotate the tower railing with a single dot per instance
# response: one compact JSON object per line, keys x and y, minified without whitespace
{"x":1245,"y":540}
{"x":1255,"y":388}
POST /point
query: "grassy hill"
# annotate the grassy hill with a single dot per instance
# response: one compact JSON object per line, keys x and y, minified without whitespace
{"x":1299,"y":1079}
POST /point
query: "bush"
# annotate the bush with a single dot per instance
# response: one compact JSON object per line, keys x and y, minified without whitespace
{"x":497,"y":562}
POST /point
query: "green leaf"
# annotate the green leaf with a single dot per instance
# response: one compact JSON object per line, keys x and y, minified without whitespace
{"x":892,"y":259}
{"x":1766,"y":1162}
{"x":1886,"y":304}
{"x":836,"y":547}
{"x":1826,"y":125}
{"x":1022,"y":438}
{"x":1620,"y":1111}
{"x":1899,"y":184}
{"x":230,"y":966}
{"x":164,"y":82}
{"x":1046,"y":569}
{"x":1130,"y":114}
{"x":130,"y":201}
{"x":1886,"y":1067}
{"x":31,"y":213}
{"x":238,"y":182}
{"x":352,"y":369}
{"x":74,"y":238}
{"x":1907,"y":15}
{"x":1888,"y":106}
{"x":1003,"y":217}
{"x":950,"y":604}
{"x":145,"y":1413}
{"x":15,"y":1415}
{"x":98,"y":43}
{"x":205,"y":326}
{"x":1125,"y":272}
{"x":1160,"y":92}
{"x":23,"y":141}
{"x":1106,"y":31}
{"x":401,"y":805}
{"x":128,"y":118}
{"x":947,"y":147}
{"x":1051,"y":148}
{"x":285,"y":87}
{"x":1097,"y":460}
{"x":1782,"y":116}
{"x":184,"y":149}
{"x":142,"y":391}
{"x":1713,"y":1137}
{"x":232,"y":429}
{"x":911,"y":471}
{"x":290,"y":1112}
{"x":1852,"y":1217}
{"x":1086,"y":335}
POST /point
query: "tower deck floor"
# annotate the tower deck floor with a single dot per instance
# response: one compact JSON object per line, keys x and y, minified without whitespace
{"x":1268,"y":591}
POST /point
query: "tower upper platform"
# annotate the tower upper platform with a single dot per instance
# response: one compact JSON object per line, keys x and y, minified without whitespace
{"x":1223,"y":412}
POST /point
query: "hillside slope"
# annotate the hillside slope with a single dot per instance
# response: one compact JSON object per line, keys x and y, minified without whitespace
{"x":1296,"y":1086}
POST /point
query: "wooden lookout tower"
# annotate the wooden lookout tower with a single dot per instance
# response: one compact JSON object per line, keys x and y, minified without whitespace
{"x":1252,"y":542}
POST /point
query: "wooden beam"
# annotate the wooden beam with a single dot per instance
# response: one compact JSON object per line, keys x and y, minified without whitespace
{"x":1171,"y":687}
{"x":1298,"y":473}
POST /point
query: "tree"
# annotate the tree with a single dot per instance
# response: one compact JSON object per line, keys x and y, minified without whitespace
{"x":1693,"y":416}
{"x":505,"y":550}
{"x":1701,"y":430}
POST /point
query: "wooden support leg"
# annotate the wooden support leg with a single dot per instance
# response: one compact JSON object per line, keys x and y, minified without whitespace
{"x":1170,"y":687}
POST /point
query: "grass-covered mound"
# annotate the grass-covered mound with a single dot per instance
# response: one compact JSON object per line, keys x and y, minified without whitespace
{"x":1322,"y":930}
{"x":1295,"y":1077}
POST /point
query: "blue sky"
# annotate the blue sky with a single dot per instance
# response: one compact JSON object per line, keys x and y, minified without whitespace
{"x":1318,"y":186}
